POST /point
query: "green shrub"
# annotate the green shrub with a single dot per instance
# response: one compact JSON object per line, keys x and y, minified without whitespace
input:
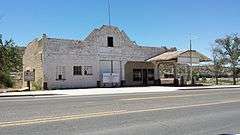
{"x":6,"y":80}
{"x":204,"y":79}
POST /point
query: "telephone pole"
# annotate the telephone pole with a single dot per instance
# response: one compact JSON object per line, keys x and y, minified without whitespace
{"x":190,"y":48}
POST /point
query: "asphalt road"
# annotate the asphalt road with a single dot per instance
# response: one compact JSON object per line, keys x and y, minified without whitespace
{"x":207,"y":112}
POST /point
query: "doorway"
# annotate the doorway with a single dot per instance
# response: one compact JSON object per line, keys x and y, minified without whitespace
{"x":145,"y":79}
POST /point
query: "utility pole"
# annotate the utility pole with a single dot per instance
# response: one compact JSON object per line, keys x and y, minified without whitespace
{"x":109,"y":13}
{"x":190,"y":48}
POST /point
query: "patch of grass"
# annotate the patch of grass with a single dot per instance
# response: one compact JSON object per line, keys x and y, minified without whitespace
{"x":37,"y":85}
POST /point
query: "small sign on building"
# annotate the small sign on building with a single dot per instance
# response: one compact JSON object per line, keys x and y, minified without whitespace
{"x":115,"y":78}
{"x":111,"y":78}
{"x":106,"y":78}
{"x":29,"y":75}
{"x":187,"y":60}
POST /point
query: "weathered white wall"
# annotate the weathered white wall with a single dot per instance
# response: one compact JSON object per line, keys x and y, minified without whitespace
{"x":90,"y":52}
{"x":69,"y":53}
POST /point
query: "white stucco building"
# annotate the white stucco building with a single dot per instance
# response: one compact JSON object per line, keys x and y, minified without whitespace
{"x":105,"y":57}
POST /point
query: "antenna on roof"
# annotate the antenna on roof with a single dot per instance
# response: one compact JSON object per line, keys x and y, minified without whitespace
{"x":109,"y":13}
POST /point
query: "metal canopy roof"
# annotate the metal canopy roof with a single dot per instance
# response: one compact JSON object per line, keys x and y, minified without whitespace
{"x":169,"y":56}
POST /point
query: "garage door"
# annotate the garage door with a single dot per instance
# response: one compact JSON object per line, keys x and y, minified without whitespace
{"x":116,"y":67}
{"x":105,"y":67}
{"x":110,"y":66}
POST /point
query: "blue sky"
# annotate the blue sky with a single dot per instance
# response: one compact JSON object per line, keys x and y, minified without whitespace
{"x":148,"y":22}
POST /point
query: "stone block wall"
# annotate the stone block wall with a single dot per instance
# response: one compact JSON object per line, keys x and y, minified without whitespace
{"x":32,"y":60}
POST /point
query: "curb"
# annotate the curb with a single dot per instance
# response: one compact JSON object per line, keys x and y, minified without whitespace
{"x":29,"y":95}
{"x":209,"y":88}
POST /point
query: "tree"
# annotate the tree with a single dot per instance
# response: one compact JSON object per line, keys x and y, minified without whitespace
{"x":229,"y":48}
{"x":10,"y":60}
{"x":218,"y":62}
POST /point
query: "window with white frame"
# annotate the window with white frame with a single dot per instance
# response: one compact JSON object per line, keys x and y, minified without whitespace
{"x":87,"y":70}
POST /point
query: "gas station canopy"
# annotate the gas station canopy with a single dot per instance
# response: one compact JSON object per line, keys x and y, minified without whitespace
{"x":181,"y":57}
